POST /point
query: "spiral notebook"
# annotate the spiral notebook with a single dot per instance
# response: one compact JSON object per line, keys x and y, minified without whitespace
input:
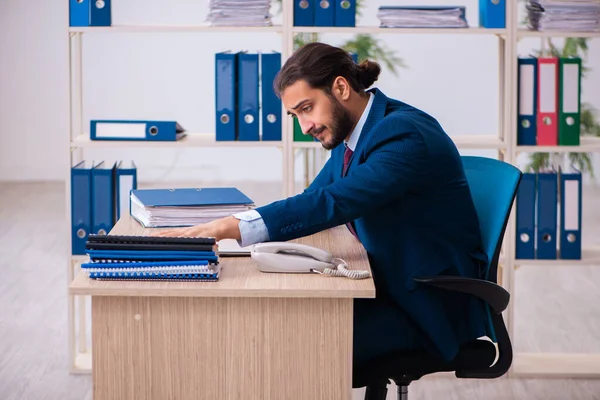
{"x":148,"y":258}
{"x":153,"y":271}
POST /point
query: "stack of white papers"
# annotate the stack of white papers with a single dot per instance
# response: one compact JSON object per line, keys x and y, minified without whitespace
{"x":422,"y":17}
{"x":155,"y":208}
{"x":563,"y":15}
{"x":239,"y":13}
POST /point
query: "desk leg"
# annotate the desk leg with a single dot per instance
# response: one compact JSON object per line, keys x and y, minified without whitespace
{"x":221,"y":348}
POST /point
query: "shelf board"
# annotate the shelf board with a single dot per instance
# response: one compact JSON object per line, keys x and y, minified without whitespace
{"x":412,"y":31}
{"x":191,"y":140}
{"x":590,"y":256}
{"x":461,"y":141}
{"x":174,"y":28}
{"x":588,"y":144}
{"x":527,"y":33}
{"x":556,"y":365}
{"x":307,"y":145}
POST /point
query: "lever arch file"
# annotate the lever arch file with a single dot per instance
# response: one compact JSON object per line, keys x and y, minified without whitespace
{"x":162,"y":131}
{"x":247,"y":95}
{"x":81,"y":200}
{"x":226,"y":77}
{"x":527,"y":101}
{"x":569,"y":101}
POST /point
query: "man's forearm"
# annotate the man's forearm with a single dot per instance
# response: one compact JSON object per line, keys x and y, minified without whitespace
{"x":229,"y":228}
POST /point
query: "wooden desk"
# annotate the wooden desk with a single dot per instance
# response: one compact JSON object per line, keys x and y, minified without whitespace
{"x":251,"y":335}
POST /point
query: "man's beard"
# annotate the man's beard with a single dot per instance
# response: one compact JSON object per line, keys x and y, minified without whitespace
{"x":341,"y":125}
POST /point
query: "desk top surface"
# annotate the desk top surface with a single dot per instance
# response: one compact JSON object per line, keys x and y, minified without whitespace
{"x":241,"y":278}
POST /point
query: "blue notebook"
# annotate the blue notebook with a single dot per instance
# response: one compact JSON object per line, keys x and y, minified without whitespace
{"x":151,"y":255}
{"x":165,"y":259}
{"x":199,"y":270}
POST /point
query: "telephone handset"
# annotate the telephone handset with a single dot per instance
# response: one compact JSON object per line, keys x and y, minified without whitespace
{"x":299,"y":258}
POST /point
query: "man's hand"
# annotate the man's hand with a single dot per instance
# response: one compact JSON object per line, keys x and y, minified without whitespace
{"x":224,"y":228}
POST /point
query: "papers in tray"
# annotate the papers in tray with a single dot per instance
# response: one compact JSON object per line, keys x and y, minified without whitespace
{"x":555,"y":15}
{"x":239,"y":13}
{"x":155,"y":208}
{"x":422,"y":17}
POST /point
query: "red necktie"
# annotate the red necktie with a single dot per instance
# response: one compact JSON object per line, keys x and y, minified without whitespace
{"x":347,"y":155}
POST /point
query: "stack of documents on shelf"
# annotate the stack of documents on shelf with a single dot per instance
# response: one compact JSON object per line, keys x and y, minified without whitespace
{"x":562,"y":15}
{"x":114,"y":257}
{"x":155,"y":208}
{"x":239,"y":13}
{"x":422,"y":17}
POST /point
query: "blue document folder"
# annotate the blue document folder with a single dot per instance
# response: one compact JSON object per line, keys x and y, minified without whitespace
{"x":103,"y":198}
{"x":271,"y":104}
{"x":90,"y":13}
{"x":100,"y":13}
{"x":492,"y":14}
{"x":527,"y":101}
{"x":191,"y":197}
{"x":226,"y":77}
{"x":135,"y":130}
{"x":125,"y":182}
{"x":79,"y":12}
{"x":547,"y":218}
{"x":325,"y":13}
{"x":525,"y":213}
{"x":570,"y":215}
{"x":304,"y":12}
{"x":345,"y":13}
{"x":248,"y":97}
{"x":81,"y":213}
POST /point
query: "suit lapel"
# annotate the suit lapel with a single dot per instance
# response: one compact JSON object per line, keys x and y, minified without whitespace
{"x":376,"y":114}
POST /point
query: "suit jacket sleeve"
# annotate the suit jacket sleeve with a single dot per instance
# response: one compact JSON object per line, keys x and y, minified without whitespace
{"x":391,"y":168}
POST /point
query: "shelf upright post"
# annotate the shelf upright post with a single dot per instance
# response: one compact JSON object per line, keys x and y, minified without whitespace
{"x":287,"y":123}
{"x":509,"y":131}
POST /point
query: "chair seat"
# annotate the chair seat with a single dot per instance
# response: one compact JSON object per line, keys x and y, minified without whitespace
{"x":405,"y":367}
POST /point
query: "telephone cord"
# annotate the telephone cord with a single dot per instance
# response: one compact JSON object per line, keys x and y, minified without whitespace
{"x":340,"y":270}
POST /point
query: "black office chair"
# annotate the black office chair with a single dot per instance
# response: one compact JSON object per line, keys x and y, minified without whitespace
{"x":493,"y":185}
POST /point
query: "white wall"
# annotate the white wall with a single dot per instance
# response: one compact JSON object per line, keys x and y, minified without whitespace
{"x":170,"y":76}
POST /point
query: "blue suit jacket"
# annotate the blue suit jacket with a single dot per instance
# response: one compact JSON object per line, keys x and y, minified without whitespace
{"x":407,"y":194}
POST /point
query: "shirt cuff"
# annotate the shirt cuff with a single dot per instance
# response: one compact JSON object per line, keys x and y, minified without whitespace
{"x":252,"y":228}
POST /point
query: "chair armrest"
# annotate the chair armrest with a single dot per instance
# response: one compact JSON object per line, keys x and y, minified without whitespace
{"x":495,"y":295}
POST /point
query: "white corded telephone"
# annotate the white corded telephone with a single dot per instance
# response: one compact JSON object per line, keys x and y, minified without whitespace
{"x":299,"y":258}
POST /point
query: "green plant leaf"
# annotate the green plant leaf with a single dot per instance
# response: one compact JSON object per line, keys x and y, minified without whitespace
{"x":367,"y":47}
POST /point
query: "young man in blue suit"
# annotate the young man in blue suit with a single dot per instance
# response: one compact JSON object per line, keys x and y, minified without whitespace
{"x":396,"y":179}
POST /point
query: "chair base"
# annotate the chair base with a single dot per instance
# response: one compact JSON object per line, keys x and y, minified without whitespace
{"x":379,"y":392}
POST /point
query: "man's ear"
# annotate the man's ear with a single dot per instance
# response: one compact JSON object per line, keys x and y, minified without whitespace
{"x":341,"y":88}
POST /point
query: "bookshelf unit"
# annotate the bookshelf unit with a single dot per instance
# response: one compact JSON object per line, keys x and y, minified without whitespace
{"x":503,"y":142}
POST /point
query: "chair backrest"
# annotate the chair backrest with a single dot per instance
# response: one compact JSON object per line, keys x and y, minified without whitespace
{"x":493,"y":184}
